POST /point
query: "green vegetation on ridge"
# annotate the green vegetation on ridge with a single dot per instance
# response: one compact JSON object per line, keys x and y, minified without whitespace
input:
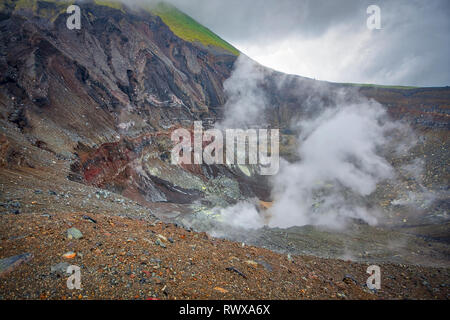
{"x":111,"y":4}
{"x":48,"y":9}
{"x":370,"y":85}
{"x":187,"y":28}
{"x":179,"y":23}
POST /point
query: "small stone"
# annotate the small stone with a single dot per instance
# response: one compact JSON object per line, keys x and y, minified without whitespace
{"x":252,"y":263}
{"x":233,"y":269}
{"x":74,"y":233}
{"x":222,"y":290}
{"x":9,"y":264}
{"x":341,"y":295}
{"x":15,"y":204}
{"x":348,"y":278}
{"x":265,"y":264}
{"x":161,"y":237}
{"x":160,"y":243}
{"x":59,"y":268}
{"x":89,"y":219}
{"x":69,"y":255}
{"x":155,"y":260}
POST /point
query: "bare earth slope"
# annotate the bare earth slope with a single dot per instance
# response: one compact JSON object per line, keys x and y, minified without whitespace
{"x":123,"y":258}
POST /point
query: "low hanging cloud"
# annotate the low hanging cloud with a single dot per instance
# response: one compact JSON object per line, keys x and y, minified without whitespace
{"x":329,"y":40}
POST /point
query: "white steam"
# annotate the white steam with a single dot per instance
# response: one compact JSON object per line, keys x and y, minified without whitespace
{"x":246,"y":100}
{"x":339,"y":166}
{"x":243,"y":214}
{"x":340,"y":158}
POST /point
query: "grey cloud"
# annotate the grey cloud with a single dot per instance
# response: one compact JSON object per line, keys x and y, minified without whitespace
{"x":329,"y":40}
{"x":411,"y":49}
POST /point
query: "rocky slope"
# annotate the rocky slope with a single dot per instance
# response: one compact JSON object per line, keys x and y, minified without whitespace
{"x":123,"y":258}
{"x":105,"y":97}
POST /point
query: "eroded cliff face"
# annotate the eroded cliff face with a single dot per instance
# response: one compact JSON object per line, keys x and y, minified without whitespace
{"x":104,"y":99}
{"x":123,"y":72}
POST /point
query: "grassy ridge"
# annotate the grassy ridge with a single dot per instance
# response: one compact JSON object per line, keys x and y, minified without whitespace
{"x":181,"y":24}
{"x":48,"y":9}
{"x":111,"y":4}
{"x":187,"y":28}
{"x":377,"y":86}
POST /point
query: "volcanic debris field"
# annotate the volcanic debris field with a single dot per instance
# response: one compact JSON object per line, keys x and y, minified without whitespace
{"x":125,"y":258}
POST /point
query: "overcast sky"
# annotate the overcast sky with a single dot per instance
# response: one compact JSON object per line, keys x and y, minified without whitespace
{"x":329,"y":40}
